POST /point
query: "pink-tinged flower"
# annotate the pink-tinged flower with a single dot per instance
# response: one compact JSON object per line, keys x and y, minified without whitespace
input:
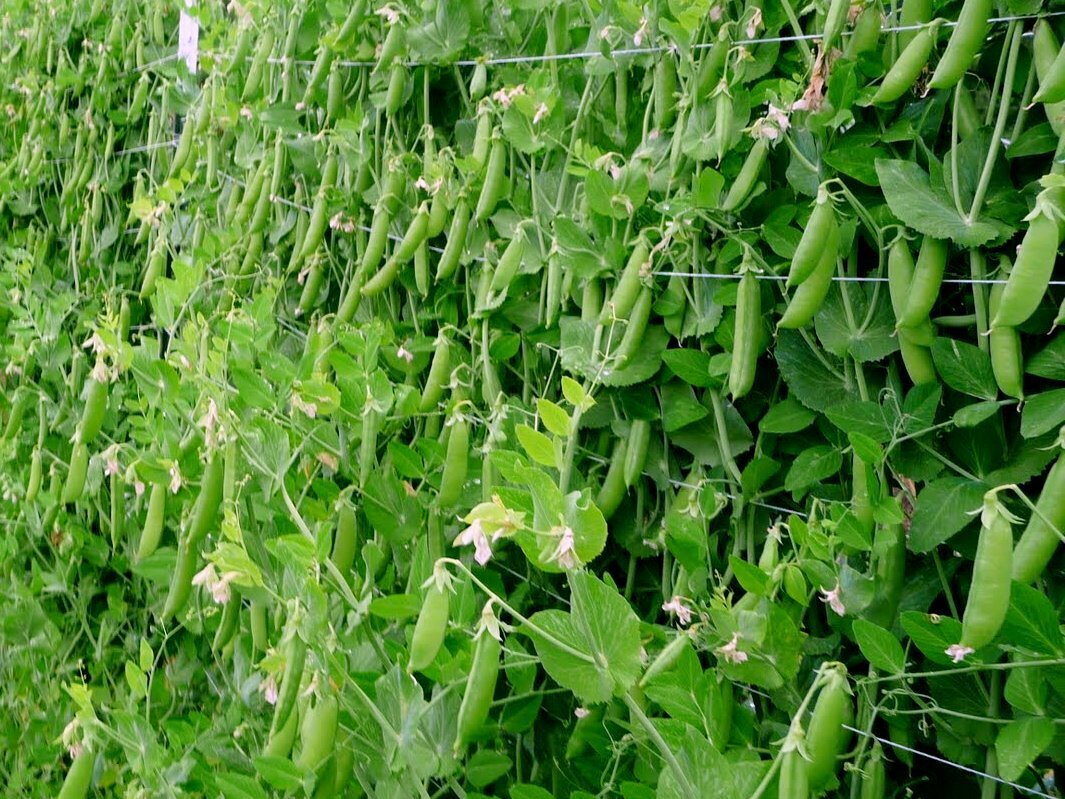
{"x":958,"y":653}
{"x":755,"y":23}
{"x":541,"y":112}
{"x":581,"y":712}
{"x":405,"y":354}
{"x":475,"y":534}
{"x":205,"y":576}
{"x":716,"y":13}
{"x":731,"y":651}
{"x":112,"y":466}
{"x":677,"y":608}
{"x":309,"y":409}
{"x":175,"y":479}
{"x":246,"y":112}
{"x":832,"y":599}
{"x":138,"y":488}
{"x":269,"y":689}
{"x":96,"y":344}
{"x":637,"y":38}
{"x":565,"y":554}
{"x":100,"y":372}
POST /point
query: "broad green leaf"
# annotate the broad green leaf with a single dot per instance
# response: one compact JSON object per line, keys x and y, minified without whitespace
{"x":812,"y":466}
{"x":529,"y":792}
{"x":486,"y":766}
{"x":972,"y":415}
{"x":1043,"y":412}
{"x":555,"y":419}
{"x":927,"y":208}
{"x":1032,"y":623}
{"x":919,"y":407}
{"x":238,"y":786}
{"x":680,"y":407}
{"x":137,"y":680}
{"x":840,"y":325}
{"x":396,"y":607}
{"x":1026,"y":690}
{"x":880,"y":647}
{"x":1049,"y":362}
{"x":280,"y":772}
{"x":787,"y":416}
{"x":944,"y":507}
{"x":965,"y":368}
{"x":861,"y":416}
{"x":811,"y":381}
{"x":750,"y":577}
{"x":691,"y":366}
{"x":1020,"y":742}
{"x":537,"y":446}
{"x":593,"y":650}
{"x":932,"y":634}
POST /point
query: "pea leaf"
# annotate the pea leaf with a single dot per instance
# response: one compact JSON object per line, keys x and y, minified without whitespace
{"x":1032,"y":622}
{"x":787,"y":416}
{"x":1050,"y":361}
{"x":811,"y":381}
{"x":944,"y":507}
{"x":925,"y":207}
{"x":812,"y":466}
{"x":932,"y":635}
{"x":861,"y":416}
{"x":965,"y":368}
{"x":1020,"y":742}
{"x":603,"y":633}
{"x":880,"y":647}
{"x":1043,"y":412}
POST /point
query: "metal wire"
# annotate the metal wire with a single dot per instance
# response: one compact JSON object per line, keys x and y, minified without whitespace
{"x":837,"y":278}
{"x":929,"y":756}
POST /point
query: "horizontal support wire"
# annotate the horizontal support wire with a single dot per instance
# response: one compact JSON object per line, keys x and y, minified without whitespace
{"x":990,"y":281}
{"x":623,"y":51}
{"x":943,"y":761}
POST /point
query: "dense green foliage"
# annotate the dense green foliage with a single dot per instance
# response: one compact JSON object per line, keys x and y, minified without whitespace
{"x":532,"y":399}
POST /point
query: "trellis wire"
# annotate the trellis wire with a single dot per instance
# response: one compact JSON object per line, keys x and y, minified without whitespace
{"x":615,"y":53}
{"x":943,"y":761}
{"x":837,"y":278}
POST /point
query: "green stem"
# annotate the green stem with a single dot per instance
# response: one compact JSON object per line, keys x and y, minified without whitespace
{"x":989,"y":787}
{"x":1014,"y":34}
{"x":924,"y":675}
{"x":793,"y":20}
{"x":722,"y":437}
{"x":955,"y":178}
{"x":679,"y":774}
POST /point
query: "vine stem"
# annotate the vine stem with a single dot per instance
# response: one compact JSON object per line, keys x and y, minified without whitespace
{"x":978,"y":270}
{"x":793,"y":20}
{"x":1014,"y":32}
{"x":722,"y":436}
{"x":509,"y":609}
{"x":661,"y":745}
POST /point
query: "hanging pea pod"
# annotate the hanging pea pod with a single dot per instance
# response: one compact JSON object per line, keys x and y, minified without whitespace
{"x":318,"y":731}
{"x":345,"y":540}
{"x":810,"y":295}
{"x":926,"y":281}
{"x":405,"y":249}
{"x":79,"y":776}
{"x":439,"y":374}
{"x":835,"y":20}
{"x":743,"y":184}
{"x":431,"y":627}
{"x":665,"y":87}
{"x":612,"y":491}
{"x":913,"y":342}
{"x":989,"y":589}
{"x":636,"y":450}
{"x":480,"y":688}
{"x":746,"y":336}
{"x":456,"y":462}
{"x":1040,"y":538}
{"x":815,"y":235}
{"x":1028,"y":282}
{"x":827,"y":733}
{"x":866,"y":33}
{"x":965,"y":42}
{"x":456,"y":242}
{"x":1007,"y":360}
{"x":494,"y":186}
{"x":906,"y":68}
{"x":628,"y":286}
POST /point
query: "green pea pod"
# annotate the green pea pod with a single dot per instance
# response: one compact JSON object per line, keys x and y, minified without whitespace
{"x":811,"y":246}
{"x":965,"y":42}
{"x":1045,"y":53}
{"x":711,"y":66}
{"x":1007,"y":360}
{"x":1031,"y":273}
{"x":295,"y":659}
{"x":636,"y":450}
{"x":279,"y":742}
{"x":79,"y":776}
{"x":906,"y":68}
{"x":257,"y":622}
{"x":345,"y":540}
{"x":152,"y":531}
{"x":323,"y":63}
{"x":208,"y":501}
{"x":456,"y":242}
{"x":393,"y":46}
{"x":794,"y":784}
{"x":665,"y":88}
{"x":33,"y":484}
{"x":826,"y":736}
{"x":318,"y":732}
{"x":430,"y":629}
{"x":666,"y":659}
{"x":635,"y":327}
{"x":866,"y":33}
{"x":889,"y":570}
{"x":439,"y":374}
{"x":478,"y":81}
{"x":810,"y":295}
{"x":227,"y":625}
{"x":480,"y":688}
{"x":312,"y":240}
{"x":745,"y":338}
{"x":989,"y":589}
{"x":438,"y":209}
{"x":509,"y":262}
{"x":627,"y":289}
{"x":612,"y":490}
{"x":118,"y":510}
{"x":494,"y":186}
{"x":258,"y":65}
{"x":456,"y":463}
{"x":397,"y":88}
{"x":1052,"y":82}
{"x":861,"y":504}
{"x":79,"y":466}
{"x":913,"y":12}
{"x":874,"y":778}
{"x":482,"y":138}
{"x":377,"y":240}
{"x":927,"y":279}
{"x":19,"y":405}
{"x":177,"y":596}
{"x":745,"y":180}
{"x":1039,"y":540}
{"x":835,"y":20}
{"x":156,"y":267}
{"x":405,"y":250}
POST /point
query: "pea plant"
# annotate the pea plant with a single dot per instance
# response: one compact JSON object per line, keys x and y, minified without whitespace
{"x":530,"y":399}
